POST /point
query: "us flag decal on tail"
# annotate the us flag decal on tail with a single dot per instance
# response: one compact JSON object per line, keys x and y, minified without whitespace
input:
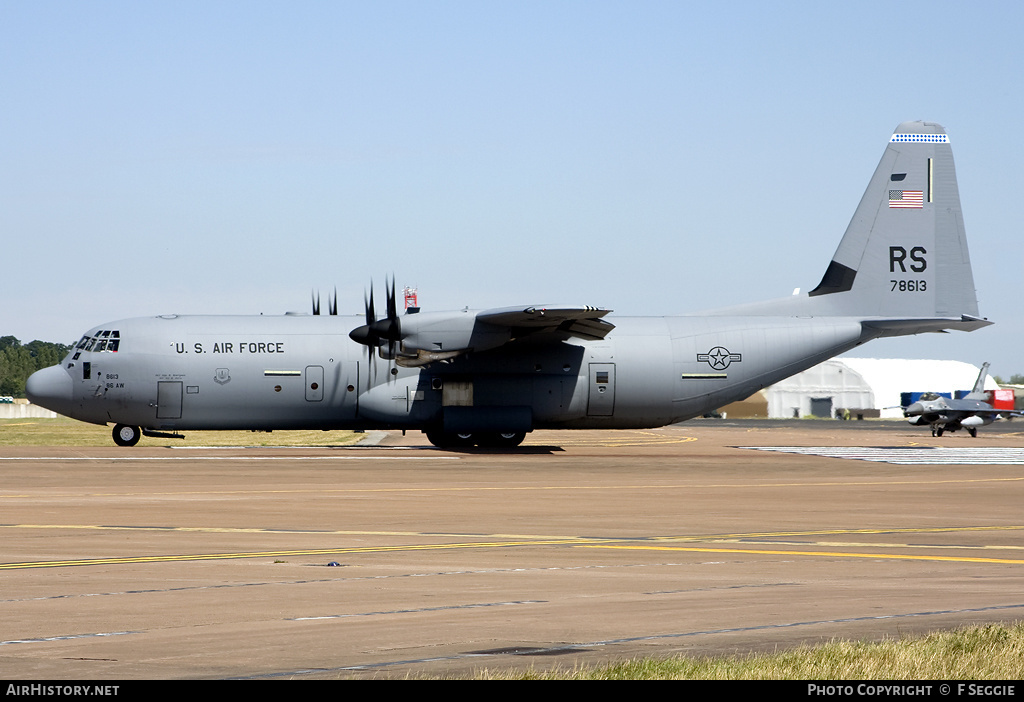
{"x":906,"y":199}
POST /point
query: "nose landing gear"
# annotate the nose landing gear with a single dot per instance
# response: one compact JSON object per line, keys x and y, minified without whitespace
{"x":126,"y":435}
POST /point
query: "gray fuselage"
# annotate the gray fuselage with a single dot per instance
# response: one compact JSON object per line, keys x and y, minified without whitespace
{"x":303,"y":372}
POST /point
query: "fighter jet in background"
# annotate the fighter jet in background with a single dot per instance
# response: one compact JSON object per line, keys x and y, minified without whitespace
{"x":487,"y":377}
{"x":944,"y":414}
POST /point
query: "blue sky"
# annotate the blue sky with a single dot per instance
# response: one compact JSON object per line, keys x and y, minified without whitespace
{"x":648,"y":157}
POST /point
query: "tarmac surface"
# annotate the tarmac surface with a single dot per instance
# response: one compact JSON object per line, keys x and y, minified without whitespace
{"x":580,"y":548}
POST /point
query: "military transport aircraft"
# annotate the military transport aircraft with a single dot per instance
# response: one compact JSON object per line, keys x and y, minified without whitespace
{"x":944,"y":414}
{"x":487,"y":377}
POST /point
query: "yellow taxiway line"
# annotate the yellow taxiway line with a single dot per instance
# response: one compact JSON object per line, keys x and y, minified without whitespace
{"x":659,"y":543}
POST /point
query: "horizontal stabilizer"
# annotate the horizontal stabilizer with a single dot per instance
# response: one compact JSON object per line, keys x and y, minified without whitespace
{"x":899,"y":327}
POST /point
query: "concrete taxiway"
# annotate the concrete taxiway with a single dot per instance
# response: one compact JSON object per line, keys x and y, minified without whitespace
{"x":584,"y":547}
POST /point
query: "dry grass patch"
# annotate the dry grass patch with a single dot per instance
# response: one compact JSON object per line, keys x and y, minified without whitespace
{"x":69,"y":432}
{"x":993,"y":652}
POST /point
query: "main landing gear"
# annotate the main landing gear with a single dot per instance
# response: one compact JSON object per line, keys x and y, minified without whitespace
{"x":484,"y":439}
{"x":938,"y":430}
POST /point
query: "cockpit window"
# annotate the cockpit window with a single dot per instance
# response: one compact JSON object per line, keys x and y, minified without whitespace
{"x":106,"y":340}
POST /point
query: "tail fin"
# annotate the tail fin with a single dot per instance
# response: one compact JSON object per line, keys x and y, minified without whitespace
{"x":904,"y":256}
{"x":978,"y":393}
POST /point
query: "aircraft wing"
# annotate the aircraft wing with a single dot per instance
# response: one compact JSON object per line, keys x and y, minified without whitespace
{"x":582,"y":322}
{"x":426,"y":337}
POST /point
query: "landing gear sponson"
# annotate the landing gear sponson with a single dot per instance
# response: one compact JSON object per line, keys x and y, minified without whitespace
{"x":486,"y":439}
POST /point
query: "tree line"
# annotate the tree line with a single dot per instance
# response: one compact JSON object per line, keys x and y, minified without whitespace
{"x":18,"y":362}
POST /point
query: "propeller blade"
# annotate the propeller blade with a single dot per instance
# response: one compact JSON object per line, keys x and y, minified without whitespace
{"x":392,"y":302}
{"x":394,"y":326}
{"x":375,"y":331}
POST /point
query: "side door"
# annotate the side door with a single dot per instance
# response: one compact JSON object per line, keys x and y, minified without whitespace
{"x":601,"y":400}
{"x":314,"y":383}
{"x":168,"y":399}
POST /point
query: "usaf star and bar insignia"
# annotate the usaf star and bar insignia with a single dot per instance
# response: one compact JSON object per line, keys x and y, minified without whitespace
{"x":719,"y":358}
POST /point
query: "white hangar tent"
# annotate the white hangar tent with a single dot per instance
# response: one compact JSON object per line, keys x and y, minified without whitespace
{"x":870,"y":387}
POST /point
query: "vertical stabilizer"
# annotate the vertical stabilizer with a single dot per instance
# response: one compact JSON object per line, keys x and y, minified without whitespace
{"x":978,"y":393}
{"x":904,"y":254}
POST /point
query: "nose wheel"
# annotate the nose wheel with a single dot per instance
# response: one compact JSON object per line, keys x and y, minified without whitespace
{"x":125,"y":435}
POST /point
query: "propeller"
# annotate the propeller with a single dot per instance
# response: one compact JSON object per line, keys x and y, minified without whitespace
{"x":390,"y":327}
{"x":332,"y":303}
{"x":375,"y":331}
{"x":365,"y":334}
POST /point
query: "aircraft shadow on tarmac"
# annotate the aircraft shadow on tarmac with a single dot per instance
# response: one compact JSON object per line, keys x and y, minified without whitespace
{"x":516,"y":451}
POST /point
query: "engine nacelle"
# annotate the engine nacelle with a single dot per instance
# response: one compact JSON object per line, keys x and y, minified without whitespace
{"x":449,"y":331}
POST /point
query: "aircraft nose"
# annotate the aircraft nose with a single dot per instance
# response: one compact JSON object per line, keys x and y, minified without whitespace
{"x":50,"y":388}
{"x":914,"y":410}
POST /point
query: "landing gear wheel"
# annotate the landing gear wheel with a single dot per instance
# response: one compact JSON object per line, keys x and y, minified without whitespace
{"x":972,"y":431}
{"x":464,"y":439}
{"x":938,"y":431}
{"x":125,"y":435}
{"x":496,"y":439}
{"x":443,"y":439}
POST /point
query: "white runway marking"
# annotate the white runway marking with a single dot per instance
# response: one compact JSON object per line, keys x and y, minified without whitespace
{"x":910,"y":455}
